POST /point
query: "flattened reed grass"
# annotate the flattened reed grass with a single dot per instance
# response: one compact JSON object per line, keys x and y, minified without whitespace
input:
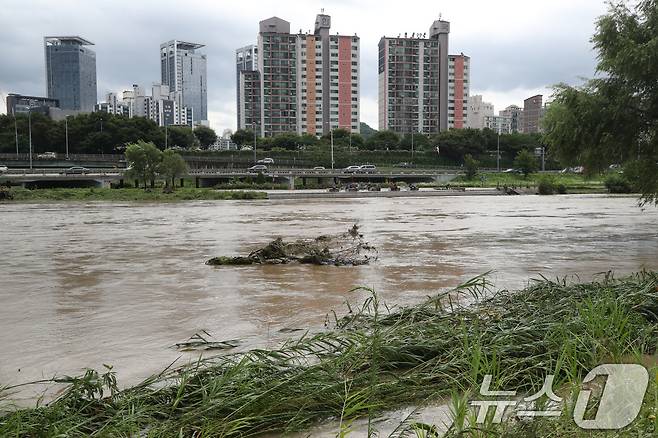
{"x":374,"y":359}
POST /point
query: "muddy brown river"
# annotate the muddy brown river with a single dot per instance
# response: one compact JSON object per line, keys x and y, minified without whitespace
{"x":82,"y":284}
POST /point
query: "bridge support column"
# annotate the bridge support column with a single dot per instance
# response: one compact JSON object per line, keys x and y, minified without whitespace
{"x":196,"y":182}
{"x":304,"y":182}
{"x":120,"y":183}
{"x":291,"y":182}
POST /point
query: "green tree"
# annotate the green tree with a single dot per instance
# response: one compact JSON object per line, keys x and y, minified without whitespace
{"x":454,"y":144}
{"x":286,"y":140}
{"x":243,"y":137}
{"x":206,"y":136}
{"x":171,"y":166}
{"x":383,"y":140}
{"x":471,"y":165}
{"x":526,"y":162}
{"x":614,"y":118}
{"x":143,"y":159}
{"x":421,"y":142}
{"x":182,"y":137}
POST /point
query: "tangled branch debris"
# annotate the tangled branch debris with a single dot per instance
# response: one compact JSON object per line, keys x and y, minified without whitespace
{"x":344,"y":249}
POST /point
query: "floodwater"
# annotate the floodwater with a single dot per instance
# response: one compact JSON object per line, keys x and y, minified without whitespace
{"x":83,"y":284}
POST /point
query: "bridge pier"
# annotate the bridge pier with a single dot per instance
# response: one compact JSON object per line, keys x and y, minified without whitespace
{"x":196,"y":182}
{"x":291,"y":182}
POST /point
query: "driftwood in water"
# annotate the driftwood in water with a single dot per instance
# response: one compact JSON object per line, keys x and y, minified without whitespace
{"x":342,"y":249}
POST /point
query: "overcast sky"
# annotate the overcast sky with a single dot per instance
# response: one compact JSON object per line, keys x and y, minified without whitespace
{"x":518,"y":48}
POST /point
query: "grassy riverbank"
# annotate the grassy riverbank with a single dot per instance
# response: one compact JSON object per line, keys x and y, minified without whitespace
{"x":573,"y":183}
{"x":374,"y":360}
{"x":106,"y":194}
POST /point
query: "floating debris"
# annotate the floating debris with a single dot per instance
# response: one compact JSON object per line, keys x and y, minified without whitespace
{"x":200,"y":343}
{"x":344,"y":249}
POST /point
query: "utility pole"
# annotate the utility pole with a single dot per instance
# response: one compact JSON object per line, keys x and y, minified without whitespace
{"x":332,"y":149}
{"x":166,"y":136}
{"x":29,"y":130}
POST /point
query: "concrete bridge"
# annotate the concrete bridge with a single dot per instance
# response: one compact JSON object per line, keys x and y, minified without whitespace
{"x":209,"y":177}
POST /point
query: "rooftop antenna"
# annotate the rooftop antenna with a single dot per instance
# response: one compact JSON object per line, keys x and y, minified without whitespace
{"x":322,"y":10}
{"x":440,"y":15}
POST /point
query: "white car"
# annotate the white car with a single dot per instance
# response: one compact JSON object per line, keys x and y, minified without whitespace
{"x":47,"y":156}
{"x":351,"y":169}
{"x":3,"y":169}
{"x":265,"y":161}
{"x":367,"y":168}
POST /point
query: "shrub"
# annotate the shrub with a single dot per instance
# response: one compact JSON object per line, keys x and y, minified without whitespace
{"x":547,"y":186}
{"x":617,"y":183}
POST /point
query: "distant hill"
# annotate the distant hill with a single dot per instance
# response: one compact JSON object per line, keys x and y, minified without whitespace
{"x":367,"y":131}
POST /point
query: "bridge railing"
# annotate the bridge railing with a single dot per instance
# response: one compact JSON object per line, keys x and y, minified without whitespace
{"x":72,"y":157}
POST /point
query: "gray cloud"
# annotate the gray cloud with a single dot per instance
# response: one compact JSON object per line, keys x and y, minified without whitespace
{"x":506,"y":56}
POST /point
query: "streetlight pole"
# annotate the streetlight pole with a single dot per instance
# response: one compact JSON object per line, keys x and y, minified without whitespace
{"x":412,"y":146}
{"x":498,"y":152}
{"x":16,"y":132}
{"x":101,"y":133}
{"x":253,"y":127}
{"x":29,"y":130}
{"x":66,"y":127}
{"x":332,"y":149}
{"x":166,"y":136}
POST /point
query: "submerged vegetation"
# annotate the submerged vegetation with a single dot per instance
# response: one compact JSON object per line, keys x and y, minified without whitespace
{"x":373,"y":360}
{"x":106,"y":194}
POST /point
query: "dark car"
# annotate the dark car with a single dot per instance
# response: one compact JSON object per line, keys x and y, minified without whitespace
{"x":76,"y":170}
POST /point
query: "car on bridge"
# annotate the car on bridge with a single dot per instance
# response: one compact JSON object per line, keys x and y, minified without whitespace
{"x":319,"y":168}
{"x":367,"y":168}
{"x":76,"y":170}
{"x":3,"y":169}
{"x":47,"y":156}
{"x":351,"y":169}
{"x":265,"y":161}
{"x":258,"y":168}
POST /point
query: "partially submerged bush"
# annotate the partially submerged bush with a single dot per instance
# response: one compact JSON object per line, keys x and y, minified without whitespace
{"x":547,"y":186}
{"x":617,"y":183}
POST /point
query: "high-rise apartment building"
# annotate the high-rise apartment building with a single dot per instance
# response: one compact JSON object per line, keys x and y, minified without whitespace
{"x":478,"y":111}
{"x":515,"y":115}
{"x":246,"y":60}
{"x":184,"y":71}
{"x":114,"y":105}
{"x":413,"y":81}
{"x":161,"y":106}
{"x":499,"y":124}
{"x":458,"y":89}
{"x":532,"y":114}
{"x":307,"y":82}
{"x":70,"y":72}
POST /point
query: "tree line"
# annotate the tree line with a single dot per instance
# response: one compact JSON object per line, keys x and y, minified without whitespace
{"x":453,"y":144}
{"x":96,"y":133}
